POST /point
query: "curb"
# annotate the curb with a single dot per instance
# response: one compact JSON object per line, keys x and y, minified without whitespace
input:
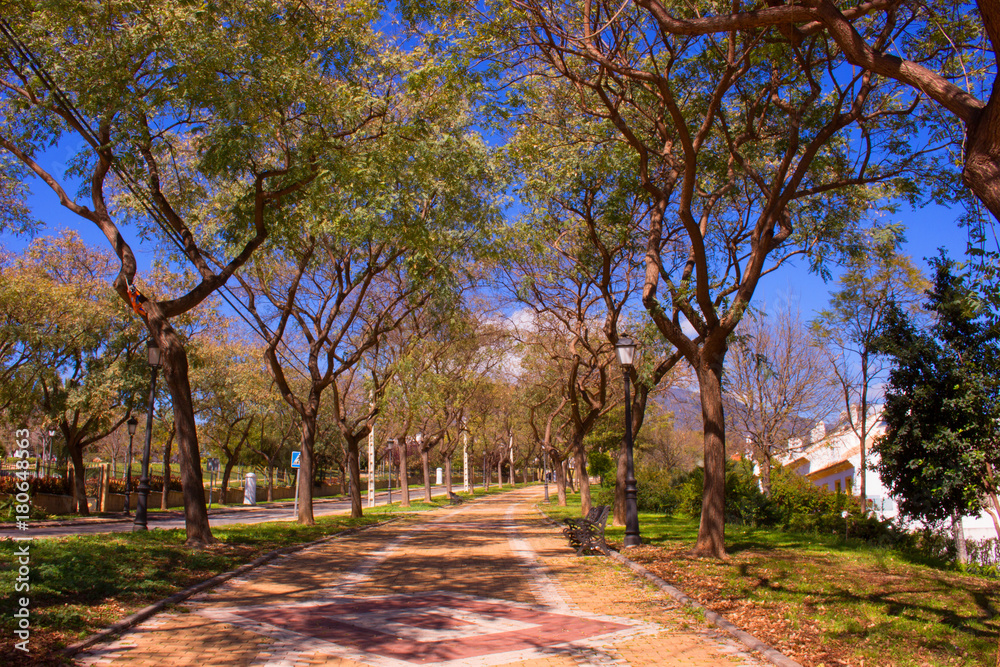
{"x":121,"y":626}
{"x":773,"y":655}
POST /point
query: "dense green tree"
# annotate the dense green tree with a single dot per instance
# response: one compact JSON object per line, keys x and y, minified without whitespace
{"x":942,"y":403}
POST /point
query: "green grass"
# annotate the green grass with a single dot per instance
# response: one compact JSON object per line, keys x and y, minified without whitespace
{"x":822,"y":599}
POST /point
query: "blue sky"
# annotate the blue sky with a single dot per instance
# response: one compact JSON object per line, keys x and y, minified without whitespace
{"x":927,"y":229}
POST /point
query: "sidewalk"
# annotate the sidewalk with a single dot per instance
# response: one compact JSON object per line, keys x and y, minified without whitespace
{"x":484,"y":583}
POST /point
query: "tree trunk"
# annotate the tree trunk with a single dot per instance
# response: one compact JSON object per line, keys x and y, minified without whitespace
{"x":354,"y":472}
{"x":712,"y":529}
{"x":270,"y":482}
{"x":764,"y":463}
{"x":581,"y":467}
{"x":447,"y":475}
{"x":425,"y":459}
{"x":621,"y":470}
{"x":961,"y":553}
{"x":226,"y":473}
{"x":404,"y":483}
{"x":175,"y":370}
{"x":500,"y":473}
{"x":981,"y":171}
{"x":79,"y":480}
{"x":167,"y":453}
{"x":863,"y":482}
{"x":559,"y":468}
{"x":307,"y":441}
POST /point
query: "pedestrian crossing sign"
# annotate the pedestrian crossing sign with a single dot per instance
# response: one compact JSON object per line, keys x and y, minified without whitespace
{"x":295,"y":459}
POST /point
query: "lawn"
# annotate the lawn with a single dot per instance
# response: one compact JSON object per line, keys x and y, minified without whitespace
{"x":823,"y":600}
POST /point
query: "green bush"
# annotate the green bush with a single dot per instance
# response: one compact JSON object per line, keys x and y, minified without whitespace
{"x":8,"y":510}
{"x":745,"y":504}
{"x":659,"y":490}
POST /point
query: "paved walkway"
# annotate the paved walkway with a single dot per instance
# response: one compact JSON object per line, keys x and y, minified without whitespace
{"x":483,"y":583}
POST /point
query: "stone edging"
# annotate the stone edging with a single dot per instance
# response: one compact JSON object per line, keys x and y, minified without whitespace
{"x":773,"y":655}
{"x":144,"y":613}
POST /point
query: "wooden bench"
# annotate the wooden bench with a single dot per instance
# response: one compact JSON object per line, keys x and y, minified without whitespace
{"x":588,"y":533}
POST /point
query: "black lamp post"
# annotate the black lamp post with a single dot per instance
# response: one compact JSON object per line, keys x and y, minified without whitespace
{"x":625,"y":349}
{"x":47,"y":454}
{"x":132,"y":423}
{"x":153,"y":356}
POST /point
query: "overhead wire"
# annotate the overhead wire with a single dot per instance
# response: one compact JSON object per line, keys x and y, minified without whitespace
{"x":63,"y":102}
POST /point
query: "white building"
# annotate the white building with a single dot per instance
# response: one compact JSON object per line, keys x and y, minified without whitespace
{"x":832,"y":460}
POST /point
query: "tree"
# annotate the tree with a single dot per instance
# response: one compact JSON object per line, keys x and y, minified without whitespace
{"x":944,"y":53}
{"x":777,"y":385}
{"x":876,"y":279}
{"x":273,"y":444}
{"x":585,"y":192}
{"x":80,"y":362}
{"x":940,"y":448}
{"x":743,"y":144}
{"x":384,"y":244}
{"x":232,"y":389}
{"x":202,"y":124}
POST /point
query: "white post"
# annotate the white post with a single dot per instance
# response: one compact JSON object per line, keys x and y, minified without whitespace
{"x":512,"y":459}
{"x":371,"y":468}
{"x":465,"y":461}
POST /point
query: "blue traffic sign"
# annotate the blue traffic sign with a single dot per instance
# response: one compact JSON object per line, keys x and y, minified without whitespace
{"x":295,"y":459}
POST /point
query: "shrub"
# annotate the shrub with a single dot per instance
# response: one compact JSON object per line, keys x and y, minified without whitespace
{"x":984,"y":552}
{"x":8,"y":510}
{"x":54,"y":485}
{"x":745,"y":504}
{"x":659,"y":490}
{"x":117,"y":485}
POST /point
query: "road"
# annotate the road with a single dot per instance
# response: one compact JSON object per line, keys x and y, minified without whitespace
{"x":216,"y":517}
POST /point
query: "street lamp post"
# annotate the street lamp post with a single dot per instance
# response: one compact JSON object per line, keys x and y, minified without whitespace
{"x":625,"y":349}
{"x":132,"y":423}
{"x":153,"y":356}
